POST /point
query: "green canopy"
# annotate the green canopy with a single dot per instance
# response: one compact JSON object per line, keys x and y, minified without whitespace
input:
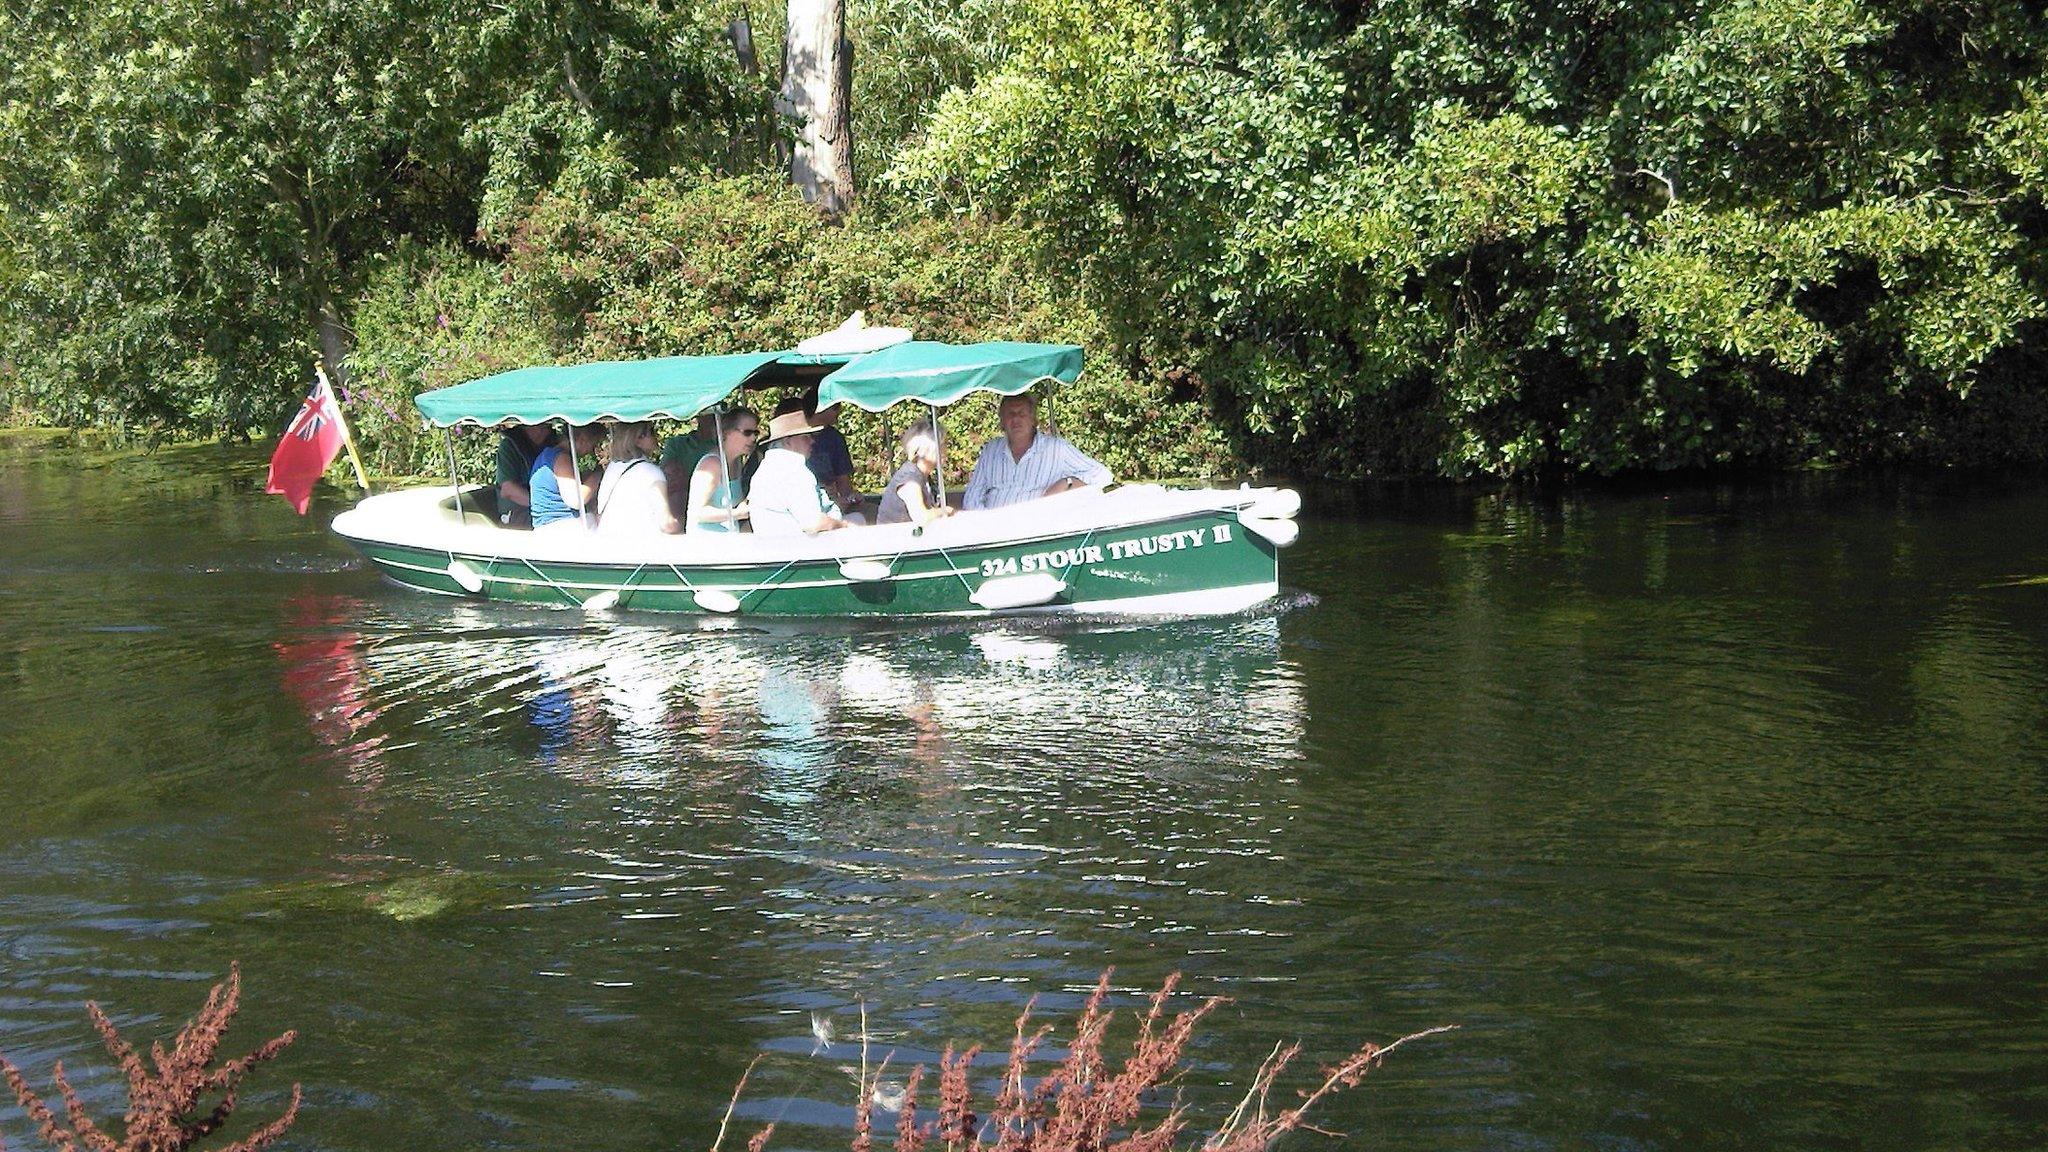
{"x":942,"y":373}
{"x":674,"y":387}
{"x":679,"y":387}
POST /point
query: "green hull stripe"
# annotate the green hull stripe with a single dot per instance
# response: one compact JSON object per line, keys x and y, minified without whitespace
{"x":1183,"y":558}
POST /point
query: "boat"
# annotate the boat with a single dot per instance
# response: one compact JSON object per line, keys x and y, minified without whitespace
{"x":1120,"y":550}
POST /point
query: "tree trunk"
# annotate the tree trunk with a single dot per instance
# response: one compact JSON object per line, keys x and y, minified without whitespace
{"x":316,"y":274}
{"x":741,"y":32}
{"x":817,"y":93}
{"x":766,"y":140}
{"x":334,"y":339}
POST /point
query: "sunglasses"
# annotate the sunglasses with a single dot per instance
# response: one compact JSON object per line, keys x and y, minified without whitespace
{"x":749,"y":433}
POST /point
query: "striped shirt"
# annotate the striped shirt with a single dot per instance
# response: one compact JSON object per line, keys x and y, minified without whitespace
{"x":1001,"y":479}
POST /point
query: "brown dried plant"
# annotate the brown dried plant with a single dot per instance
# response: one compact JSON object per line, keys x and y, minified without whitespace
{"x":1081,"y":1105}
{"x":163,"y":1104}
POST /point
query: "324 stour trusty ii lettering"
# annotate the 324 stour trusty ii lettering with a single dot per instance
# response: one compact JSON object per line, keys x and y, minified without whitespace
{"x":1063,"y":558}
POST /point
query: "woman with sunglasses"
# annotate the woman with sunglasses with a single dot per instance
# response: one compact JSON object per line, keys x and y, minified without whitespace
{"x":632,"y":499}
{"x":716,"y":503}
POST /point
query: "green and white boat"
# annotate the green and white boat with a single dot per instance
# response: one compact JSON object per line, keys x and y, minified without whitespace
{"x":1132,"y":549}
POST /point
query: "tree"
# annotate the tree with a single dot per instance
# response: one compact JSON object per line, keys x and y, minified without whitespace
{"x":197,"y":182}
{"x":1472,"y":237}
{"x":912,"y":52}
{"x":195,"y":189}
{"x":817,"y":93}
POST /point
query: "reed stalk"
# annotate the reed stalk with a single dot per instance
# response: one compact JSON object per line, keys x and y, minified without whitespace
{"x":1089,"y":1102}
{"x":168,"y":1093}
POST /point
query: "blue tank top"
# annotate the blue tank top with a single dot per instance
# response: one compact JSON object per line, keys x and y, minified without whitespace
{"x":545,"y":491}
{"x":726,"y":495}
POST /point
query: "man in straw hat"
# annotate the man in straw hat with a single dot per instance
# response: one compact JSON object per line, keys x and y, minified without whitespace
{"x":786,"y":498}
{"x":830,"y":460}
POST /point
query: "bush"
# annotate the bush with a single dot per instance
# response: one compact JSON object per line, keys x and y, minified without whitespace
{"x":1085,"y":1102}
{"x":168,"y":1094}
{"x":684,"y":266}
{"x":431,"y":318}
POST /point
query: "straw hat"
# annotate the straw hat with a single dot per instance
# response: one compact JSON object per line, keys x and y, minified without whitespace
{"x":789,"y":424}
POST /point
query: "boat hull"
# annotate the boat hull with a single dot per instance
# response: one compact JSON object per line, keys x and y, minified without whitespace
{"x":1175,"y":554}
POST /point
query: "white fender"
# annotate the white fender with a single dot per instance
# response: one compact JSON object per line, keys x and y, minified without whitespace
{"x":604,"y":601}
{"x":1027,"y":591}
{"x":865,"y":571}
{"x":467,"y":577}
{"x":852,"y":338}
{"x":1273,"y":504}
{"x":716,"y":600}
{"x":1280,"y":532}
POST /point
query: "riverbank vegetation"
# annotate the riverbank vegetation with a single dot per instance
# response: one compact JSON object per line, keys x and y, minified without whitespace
{"x":1420,"y":239}
{"x":176,"y":1097}
{"x":1088,"y":1102}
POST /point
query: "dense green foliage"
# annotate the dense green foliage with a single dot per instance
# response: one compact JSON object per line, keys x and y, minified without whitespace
{"x":1448,"y":238}
{"x":194,"y":191}
{"x":1493,"y":237}
{"x":732,"y":266}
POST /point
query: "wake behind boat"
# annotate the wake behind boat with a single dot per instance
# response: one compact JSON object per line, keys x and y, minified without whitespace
{"x":1137,"y":549}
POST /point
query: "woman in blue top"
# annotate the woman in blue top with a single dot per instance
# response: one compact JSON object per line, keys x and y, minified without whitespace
{"x":716,"y":503}
{"x":555,"y":473}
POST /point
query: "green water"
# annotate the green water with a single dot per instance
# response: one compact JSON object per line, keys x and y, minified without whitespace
{"x":1718,"y":817}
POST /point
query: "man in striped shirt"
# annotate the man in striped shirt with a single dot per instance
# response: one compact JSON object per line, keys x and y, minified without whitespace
{"x":1027,"y":463}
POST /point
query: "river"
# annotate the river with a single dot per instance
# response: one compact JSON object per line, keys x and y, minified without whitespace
{"x":1715,"y":815}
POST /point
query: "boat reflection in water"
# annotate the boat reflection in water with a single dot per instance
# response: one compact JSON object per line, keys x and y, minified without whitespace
{"x":640,"y":703}
{"x":940,"y":823}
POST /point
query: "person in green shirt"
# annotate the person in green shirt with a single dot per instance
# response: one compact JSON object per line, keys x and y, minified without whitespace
{"x":679,"y":456}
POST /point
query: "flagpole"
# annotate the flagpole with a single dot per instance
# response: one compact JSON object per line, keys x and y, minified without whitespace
{"x":939,"y":447}
{"x":348,"y":439}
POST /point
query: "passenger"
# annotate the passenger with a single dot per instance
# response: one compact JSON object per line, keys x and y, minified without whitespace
{"x":632,"y":498}
{"x":1026,"y":463}
{"x":717,"y":503}
{"x":516,"y":450}
{"x":830,"y":460}
{"x":783,"y":407}
{"x":912,"y":494}
{"x":555,"y":473}
{"x":785,"y":496}
{"x":679,"y":456}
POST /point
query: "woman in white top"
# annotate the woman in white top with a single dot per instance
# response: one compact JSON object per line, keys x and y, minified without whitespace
{"x":716,"y":504}
{"x":632,"y":498}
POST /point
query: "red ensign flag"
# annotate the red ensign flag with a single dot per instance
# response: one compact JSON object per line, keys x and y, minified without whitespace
{"x":308,"y":447}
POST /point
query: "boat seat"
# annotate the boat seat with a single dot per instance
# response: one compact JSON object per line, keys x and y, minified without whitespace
{"x":479,"y":507}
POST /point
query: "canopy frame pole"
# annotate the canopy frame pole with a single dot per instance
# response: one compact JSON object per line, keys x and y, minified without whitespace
{"x":454,"y":475}
{"x":576,"y":467}
{"x":724,"y":470}
{"x":938,"y":469}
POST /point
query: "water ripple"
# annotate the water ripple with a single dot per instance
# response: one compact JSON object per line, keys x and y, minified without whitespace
{"x":1695,"y":811}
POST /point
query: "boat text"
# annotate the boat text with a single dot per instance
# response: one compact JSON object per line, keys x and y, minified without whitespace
{"x":1060,"y":559}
